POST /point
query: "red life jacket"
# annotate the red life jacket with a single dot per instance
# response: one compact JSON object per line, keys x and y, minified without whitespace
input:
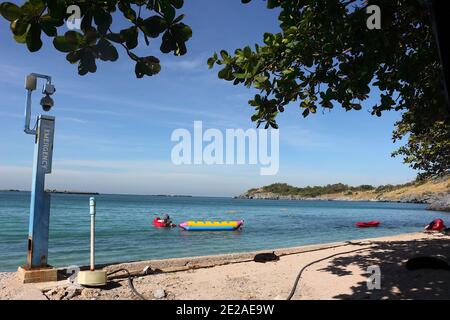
{"x":437,"y":225}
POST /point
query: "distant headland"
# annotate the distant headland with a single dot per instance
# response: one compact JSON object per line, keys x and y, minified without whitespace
{"x":435,"y":192}
{"x":71,"y":192}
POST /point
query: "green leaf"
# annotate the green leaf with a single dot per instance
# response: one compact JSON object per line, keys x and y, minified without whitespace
{"x":49,"y":28}
{"x":273,"y":4}
{"x":177,"y":3}
{"x":168,"y":43}
{"x":212,"y":60}
{"x":224,"y":54}
{"x":21,"y":38}
{"x":147,"y":66}
{"x":32,"y":9}
{"x":107,"y":52}
{"x":73,"y":37}
{"x":19,"y":27}
{"x":103,"y":20}
{"x":33,"y":38}
{"x":86,"y":22}
{"x":154,"y":26}
{"x":181,"y":32}
{"x":115,"y":37}
{"x":130,"y":36}
{"x":167,"y":11}
{"x":87,"y":63}
{"x":226,"y":73}
{"x":74,"y":56}
{"x":57,"y":9}
{"x":10,"y":11}
{"x":179,"y":18}
{"x":127,"y":11}
{"x":63,"y":45}
{"x":356,"y":106}
{"x":90,"y":37}
{"x":273,"y":124}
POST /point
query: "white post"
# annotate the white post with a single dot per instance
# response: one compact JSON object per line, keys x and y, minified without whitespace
{"x":92,"y":213}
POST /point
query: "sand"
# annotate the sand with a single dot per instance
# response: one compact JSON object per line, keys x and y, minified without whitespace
{"x":236,"y":276}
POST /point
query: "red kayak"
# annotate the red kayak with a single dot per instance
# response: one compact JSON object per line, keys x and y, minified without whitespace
{"x":159,"y":223}
{"x":368,"y":224}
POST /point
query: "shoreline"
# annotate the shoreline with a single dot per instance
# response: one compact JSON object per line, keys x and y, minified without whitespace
{"x":438,"y":202}
{"x":237,"y":276}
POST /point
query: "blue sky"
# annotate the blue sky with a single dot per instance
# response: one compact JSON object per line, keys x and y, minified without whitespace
{"x":113,"y":130}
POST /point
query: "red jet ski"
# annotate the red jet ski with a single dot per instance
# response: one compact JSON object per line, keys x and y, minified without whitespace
{"x":368,"y":224}
{"x":159,"y":223}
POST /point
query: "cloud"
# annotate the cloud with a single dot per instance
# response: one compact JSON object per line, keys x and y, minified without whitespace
{"x":73,"y":119}
{"x":298,"y":137}
{"x":185,"y":64}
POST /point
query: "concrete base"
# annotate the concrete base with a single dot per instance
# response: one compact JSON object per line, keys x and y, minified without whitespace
{"x":90,"y":278}
{"x":37,"y":274}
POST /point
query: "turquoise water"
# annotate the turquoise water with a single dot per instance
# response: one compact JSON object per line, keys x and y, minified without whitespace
{"x":124,"y":231}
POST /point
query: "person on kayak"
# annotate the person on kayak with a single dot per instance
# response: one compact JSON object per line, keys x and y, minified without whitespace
{"x":167,"y":220}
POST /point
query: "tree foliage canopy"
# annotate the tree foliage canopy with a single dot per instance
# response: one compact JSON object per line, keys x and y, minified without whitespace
{"x":96,"y":39}
{"x":325,"y":55}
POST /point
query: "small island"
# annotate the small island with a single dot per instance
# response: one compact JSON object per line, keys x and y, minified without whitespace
{"x":435,"y":192}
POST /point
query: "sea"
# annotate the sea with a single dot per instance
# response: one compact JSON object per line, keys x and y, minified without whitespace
{"x":124,"y":230}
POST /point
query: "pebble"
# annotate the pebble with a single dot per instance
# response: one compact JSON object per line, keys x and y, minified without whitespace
{"x":73,"y":292}
{"x":159,"y":294}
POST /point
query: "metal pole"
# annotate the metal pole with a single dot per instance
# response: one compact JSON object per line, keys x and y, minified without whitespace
{"x":40,"y":200}
{"x":42,"y":165}
{"x":92,"y":213}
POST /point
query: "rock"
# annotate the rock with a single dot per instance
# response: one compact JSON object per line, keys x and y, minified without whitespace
{"x":56,"y":293}
{"x":72,"y":292}
{"x":440,"y":202}
{"x":159,"y":294}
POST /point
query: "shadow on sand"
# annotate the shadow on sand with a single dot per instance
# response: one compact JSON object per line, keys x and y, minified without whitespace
{"x":396,"y":281}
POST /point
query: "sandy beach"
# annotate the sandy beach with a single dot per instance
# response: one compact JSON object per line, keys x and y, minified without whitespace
{"x":237,"y":276}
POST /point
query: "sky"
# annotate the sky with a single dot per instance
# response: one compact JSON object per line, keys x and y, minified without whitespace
{"x":113,"y":131}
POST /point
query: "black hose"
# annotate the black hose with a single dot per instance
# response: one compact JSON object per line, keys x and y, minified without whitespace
{"x":294,"y":288}
{"x":130,"y":282}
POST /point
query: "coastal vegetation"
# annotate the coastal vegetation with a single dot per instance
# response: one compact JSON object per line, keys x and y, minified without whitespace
{"x":433,"y":191}
{"x":312,"y":191}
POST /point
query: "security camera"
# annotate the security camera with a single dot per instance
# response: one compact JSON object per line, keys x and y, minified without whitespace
{"x":47,"y":103}
{"x":48,"y":89}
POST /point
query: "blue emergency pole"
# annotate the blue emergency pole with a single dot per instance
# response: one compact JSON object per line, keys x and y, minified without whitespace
{"x":42,"y":164}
